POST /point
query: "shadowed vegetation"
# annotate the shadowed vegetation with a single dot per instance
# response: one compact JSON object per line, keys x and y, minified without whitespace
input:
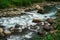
{"x":12,"y":3}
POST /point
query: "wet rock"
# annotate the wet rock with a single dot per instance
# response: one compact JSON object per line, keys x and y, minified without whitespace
{"x":33,"y":27}
{"x":37,"y":20}
{"x":7,"y":32}
{"x":52,"y":27}
{"x":17,"y":26}
{"x":28,"y":10}
{"x":50,"y":20}
{"x":22,"y":11}
{"x":41,"y":11}
{"x":1,"y":30}
{"x":46,"y":27}
{"x":41,"y":23}
{"x":37,"y":7}
{"x":41,"y":33}
{"x":17,"y":29}
{"x":1,"y":26}
{"x":49,"y":27}
{"x":10,"y":29}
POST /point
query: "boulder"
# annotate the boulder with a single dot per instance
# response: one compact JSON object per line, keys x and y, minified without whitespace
{"x":37,"y":20}
{"x":17,"y":28}
{"x":37,"y":7}
{"x":52,"y":27}
{"x":50,"y":20}
{"x":46,"y":27}
{"x":41,"y":11}
{"x":33,"y":27}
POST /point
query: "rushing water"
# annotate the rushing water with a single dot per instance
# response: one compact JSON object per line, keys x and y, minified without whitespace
{"x":26,"y":20}
{"x":58,"y":6}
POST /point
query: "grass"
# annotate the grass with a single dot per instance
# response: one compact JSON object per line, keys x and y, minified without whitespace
{"x":12,"y":3}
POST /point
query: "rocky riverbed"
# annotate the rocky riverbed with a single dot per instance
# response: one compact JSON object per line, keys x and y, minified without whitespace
{"x":27,"y":22}
{"x":11,"y":12}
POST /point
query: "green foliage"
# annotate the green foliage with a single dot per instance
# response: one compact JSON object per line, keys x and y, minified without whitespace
{"x":8,"y":3}
{"x":4,"y":3}
{"x":36,"y":37}
{"x":57,"y":36}
{"x":21,"y":2}
{"x":57,"y":21}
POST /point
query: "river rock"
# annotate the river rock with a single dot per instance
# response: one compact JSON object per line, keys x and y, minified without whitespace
{"x":28,"y":9}
{"x":17,"y":29}
{"x":46,"y":27}
{"x":17,"y":26}
{"x":1,"y":30}
{"x":52,"y":27}
{"x":42,"y":33}
{"x":50,"y":20}
{"x":37,"y":7}
{"x":15,"y":9}
{"x":37,"y":20}
{"x":41,"y":11}
{"x":7,"y":32}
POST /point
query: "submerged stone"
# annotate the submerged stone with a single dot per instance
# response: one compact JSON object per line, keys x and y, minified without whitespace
{"x":37,"y":20}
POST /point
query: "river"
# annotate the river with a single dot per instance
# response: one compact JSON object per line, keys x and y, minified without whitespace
{"x":27,"y":20}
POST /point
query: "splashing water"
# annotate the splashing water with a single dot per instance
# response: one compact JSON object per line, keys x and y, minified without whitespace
{"x":24,"y":20}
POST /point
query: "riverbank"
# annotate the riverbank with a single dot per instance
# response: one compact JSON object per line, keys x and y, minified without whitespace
{"x":10,"y":12}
